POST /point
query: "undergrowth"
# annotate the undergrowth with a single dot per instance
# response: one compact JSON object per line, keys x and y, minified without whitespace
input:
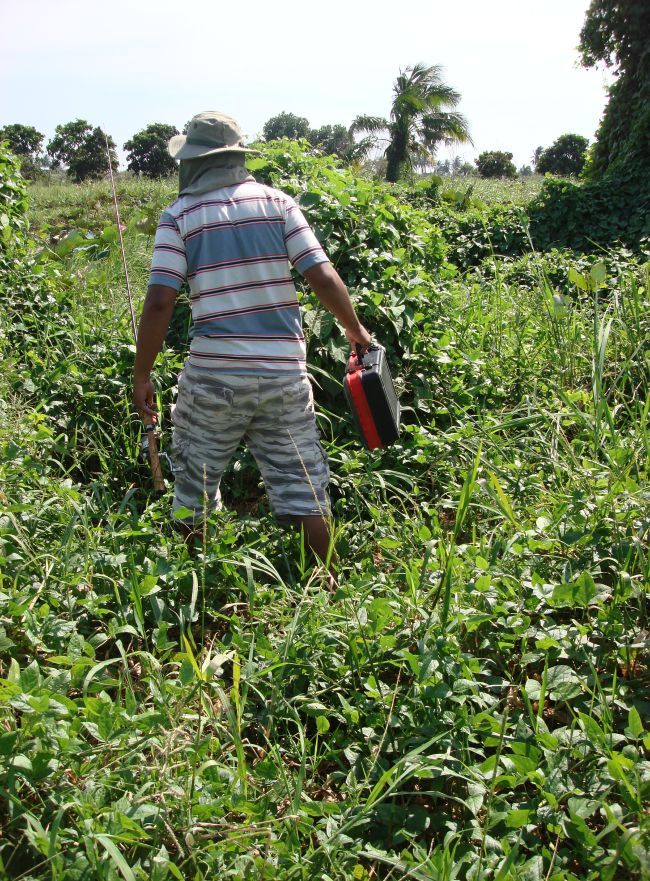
{"x":472,"y":702}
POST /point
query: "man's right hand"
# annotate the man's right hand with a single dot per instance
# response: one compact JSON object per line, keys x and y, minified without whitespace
{"x":359,"y":338}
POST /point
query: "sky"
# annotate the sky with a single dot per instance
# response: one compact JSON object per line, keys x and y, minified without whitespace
{"x":126,"y":63}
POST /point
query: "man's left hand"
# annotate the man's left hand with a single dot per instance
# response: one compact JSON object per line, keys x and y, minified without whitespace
{"x":143,"y":398}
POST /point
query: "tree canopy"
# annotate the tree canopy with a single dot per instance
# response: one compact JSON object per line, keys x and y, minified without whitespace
{"x":147,"y":152}
{"x":25,"y":142}
{"x":82,"y":150}
{"x":286,"y":125}
{"x":567,"y":155}
{"x":496,"y":163}
{"x":419,"y":121}
{"x":332,"y":139}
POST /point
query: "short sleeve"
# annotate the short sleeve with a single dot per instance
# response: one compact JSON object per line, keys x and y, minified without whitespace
{"x":303,"y":247}
{"x":169,"y":263}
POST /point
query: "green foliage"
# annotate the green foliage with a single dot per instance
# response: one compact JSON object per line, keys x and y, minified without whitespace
{"x":375,"y":252}
{"x":13,"y":202}
{"x":614,"y":205}
{"x":331,"y":139}
{"x":471,"y":703}
{"x":25,"y":142}
{"x":82,"y":150}
{"x":591,"y":216}
{"x":419,"y":121}
{"x":147,"y":151}
{"x":286,"y":125}
{"x":495,"y":163}
{"x":618,"y":33}
{"x":566,"y":156}
{"x":476,"y":232}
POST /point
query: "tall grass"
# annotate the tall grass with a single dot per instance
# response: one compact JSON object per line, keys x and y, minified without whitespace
{"x":470,"y":703}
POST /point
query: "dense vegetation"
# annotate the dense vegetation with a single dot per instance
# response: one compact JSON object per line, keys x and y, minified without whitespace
{"x":613,"y":206}
{"x":472,"y":703}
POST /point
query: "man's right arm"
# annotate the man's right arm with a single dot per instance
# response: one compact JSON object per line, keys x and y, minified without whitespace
{"x":328,"y":286}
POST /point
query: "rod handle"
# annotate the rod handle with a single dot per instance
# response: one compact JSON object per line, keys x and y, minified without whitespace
{"x":154,"y":459}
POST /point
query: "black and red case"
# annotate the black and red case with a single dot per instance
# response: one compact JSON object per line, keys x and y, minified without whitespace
{"x":371,"y":396}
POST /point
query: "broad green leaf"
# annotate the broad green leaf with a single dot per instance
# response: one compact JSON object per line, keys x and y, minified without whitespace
{"x":256,"y":163}
{"x":515,"y":819}
{"x":634,"y":724}
{"x":577,"y":594}
{"x":578,"y":279}
{"x":562,"y":683}
{"x":598,"y":274}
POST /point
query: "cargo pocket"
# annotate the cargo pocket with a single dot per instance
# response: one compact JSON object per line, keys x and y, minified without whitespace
{"x":297,"y":398}
{"x":325,"y":460}
{"x":211,"y":410}
{"x":182,"y":421}
{"x":180,"y":439}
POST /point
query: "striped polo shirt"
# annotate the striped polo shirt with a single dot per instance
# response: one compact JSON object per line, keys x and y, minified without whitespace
{"x":233,"y":246}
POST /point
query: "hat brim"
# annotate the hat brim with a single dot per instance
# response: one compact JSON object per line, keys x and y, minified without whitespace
{"x":179,"y":149}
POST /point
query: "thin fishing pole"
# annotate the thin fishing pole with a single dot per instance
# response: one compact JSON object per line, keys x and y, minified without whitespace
{"x":119,"y":231}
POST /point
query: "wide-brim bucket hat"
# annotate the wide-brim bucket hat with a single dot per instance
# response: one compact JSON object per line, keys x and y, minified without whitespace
{"x":208,"y":133}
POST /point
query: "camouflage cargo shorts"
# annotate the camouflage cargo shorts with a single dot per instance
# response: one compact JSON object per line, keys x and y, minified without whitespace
{"x":274,"y":415}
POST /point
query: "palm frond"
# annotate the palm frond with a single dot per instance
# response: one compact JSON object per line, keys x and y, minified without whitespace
{"x":369,"y":124}
{"x":446,"y":128}
{"x":441,"y":95}
{"x":361,"y":150}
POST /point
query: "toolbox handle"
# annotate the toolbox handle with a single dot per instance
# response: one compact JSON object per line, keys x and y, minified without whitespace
{"x":356,"y":358}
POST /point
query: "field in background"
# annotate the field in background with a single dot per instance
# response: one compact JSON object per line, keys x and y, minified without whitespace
{"x":472,"y":703}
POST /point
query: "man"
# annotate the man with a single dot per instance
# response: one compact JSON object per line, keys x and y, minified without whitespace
{"x":231,"y":239}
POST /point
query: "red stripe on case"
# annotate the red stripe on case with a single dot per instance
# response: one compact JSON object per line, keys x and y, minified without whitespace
{"x":364,"y":415}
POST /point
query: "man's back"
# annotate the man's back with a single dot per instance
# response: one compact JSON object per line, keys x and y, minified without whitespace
{"x":233,"y":245}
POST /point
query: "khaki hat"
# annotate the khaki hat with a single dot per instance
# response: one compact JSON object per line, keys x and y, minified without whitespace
{"x":207,"y":133}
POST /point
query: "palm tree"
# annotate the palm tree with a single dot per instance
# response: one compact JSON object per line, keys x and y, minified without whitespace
{"x":419,"y":121}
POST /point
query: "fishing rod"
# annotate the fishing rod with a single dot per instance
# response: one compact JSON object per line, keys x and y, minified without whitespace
{"x":149,"y":444}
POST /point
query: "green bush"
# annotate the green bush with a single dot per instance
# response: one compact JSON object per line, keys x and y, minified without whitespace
{"x":591,"y":216}
{"x":13,"y":201}
{"x":480,"y":232}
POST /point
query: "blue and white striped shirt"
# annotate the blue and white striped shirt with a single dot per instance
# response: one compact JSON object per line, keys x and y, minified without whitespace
{"x":233,"y":246}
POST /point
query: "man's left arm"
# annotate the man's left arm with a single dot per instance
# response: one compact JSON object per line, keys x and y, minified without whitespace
{"x":154,"y":324}
{"x":168,"y":272}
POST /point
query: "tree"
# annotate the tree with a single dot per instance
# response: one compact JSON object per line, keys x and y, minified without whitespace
{"x":25,"y":142}
{"x":286,"y":125}
{"x":495,"y":163}
{"x":617,"y":33}
{"x":147,"y":152}
{"x":419,"y":121}
{"x":535,"y":157}
{"x":525,"y":171}
{"x":333,"y":139}
{"x":82,"y":149}
{"x":566,"y":156}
